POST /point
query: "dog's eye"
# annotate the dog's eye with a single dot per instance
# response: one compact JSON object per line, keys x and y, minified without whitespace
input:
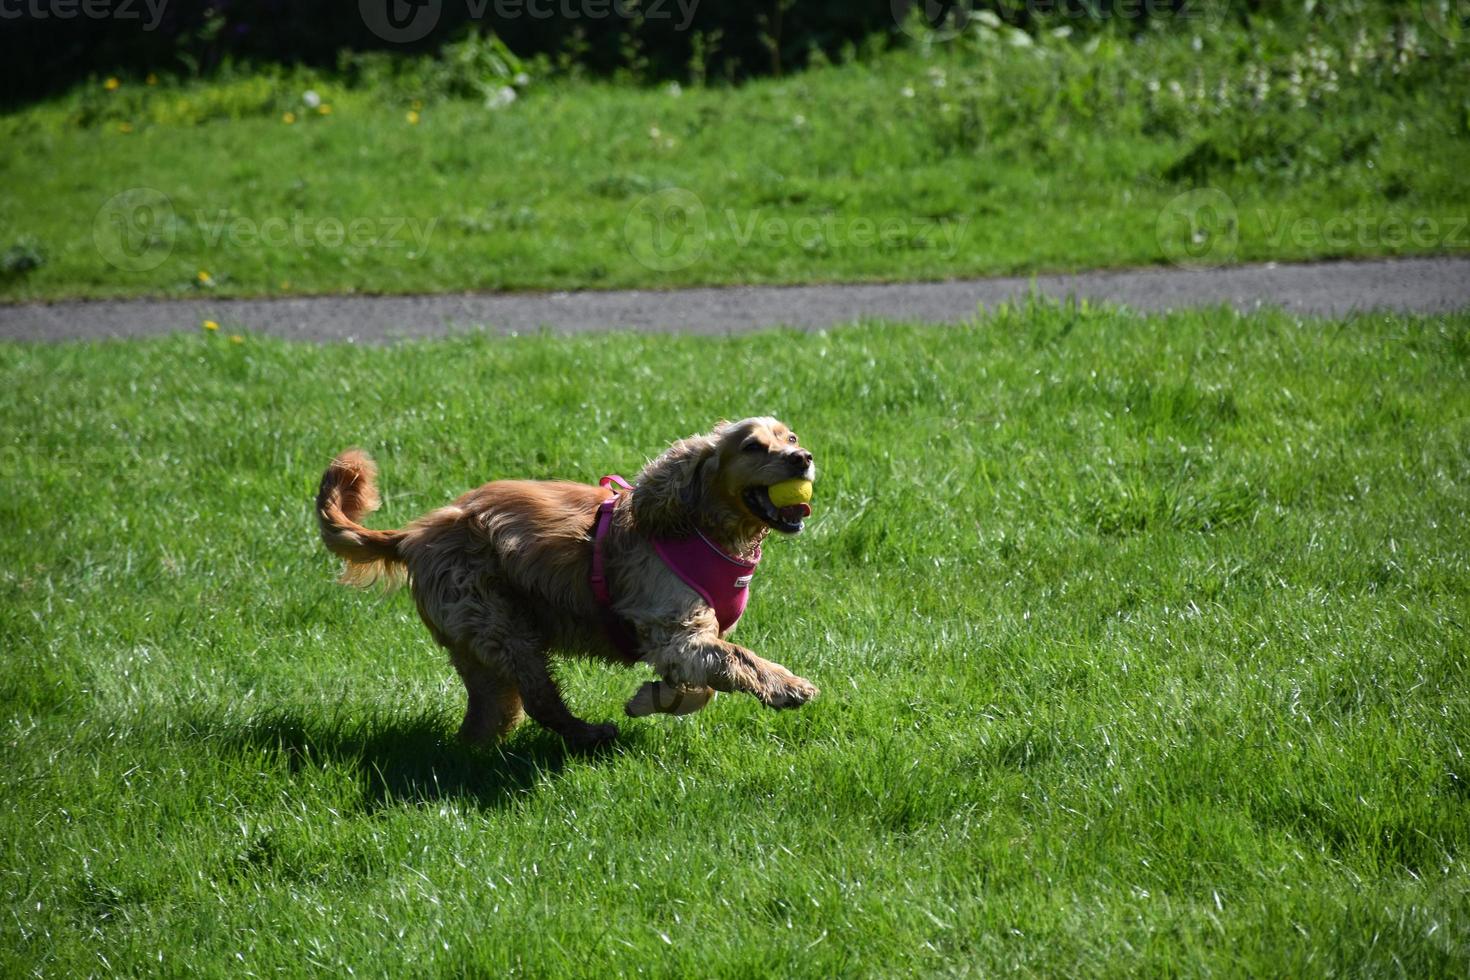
{"x":753,"y":446}
{"x":791,"y":438}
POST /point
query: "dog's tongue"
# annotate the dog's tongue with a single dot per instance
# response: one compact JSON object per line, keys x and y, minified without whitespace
{"x":792,"y":513}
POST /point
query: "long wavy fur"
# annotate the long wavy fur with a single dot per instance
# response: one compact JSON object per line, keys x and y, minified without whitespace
{"x":669,"y":495}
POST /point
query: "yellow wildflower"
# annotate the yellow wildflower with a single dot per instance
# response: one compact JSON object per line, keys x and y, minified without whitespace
{"x":204,"y":276}
{"x":210,"y":325}
{"x":288,"y":118}
{"x":325,"y":108}
{"x":412,"y":117}
{"x":112,"y":84}
{"x":152,"y":79}
{"x":236,"y":339}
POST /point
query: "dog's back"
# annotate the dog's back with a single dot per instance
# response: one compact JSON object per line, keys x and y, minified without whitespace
{"x":528,"y":535}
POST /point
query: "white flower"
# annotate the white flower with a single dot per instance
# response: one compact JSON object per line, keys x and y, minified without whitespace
{"x":907,"y":91}
{"x":500,"y":98}
{"x":674,"y":89}
{"x":311,"y":99}
{"x":988,"y":18}
{"x":521,"y":79}
{"x":798,"y":120}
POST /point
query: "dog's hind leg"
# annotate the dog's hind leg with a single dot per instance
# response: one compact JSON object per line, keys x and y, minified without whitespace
{"x":543,"y":702}
{"x":481,"y":629}
{"x":503,"y":642}
{"x":494,"y":700}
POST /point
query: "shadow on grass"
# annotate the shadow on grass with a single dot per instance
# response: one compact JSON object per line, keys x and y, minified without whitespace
{"x":400,"y":759}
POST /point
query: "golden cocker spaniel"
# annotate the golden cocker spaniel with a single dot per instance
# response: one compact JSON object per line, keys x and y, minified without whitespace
{"x":503,"y":575}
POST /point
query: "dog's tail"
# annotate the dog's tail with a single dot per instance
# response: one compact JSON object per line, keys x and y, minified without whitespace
{"x":349,"y":490}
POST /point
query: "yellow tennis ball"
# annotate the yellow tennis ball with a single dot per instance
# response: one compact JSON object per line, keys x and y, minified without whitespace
{"x":789,"y":492}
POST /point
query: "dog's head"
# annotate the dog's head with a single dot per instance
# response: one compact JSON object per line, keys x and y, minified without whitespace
{"x":719,"y":483}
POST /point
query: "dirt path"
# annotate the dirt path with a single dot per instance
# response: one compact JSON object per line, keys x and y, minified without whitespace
{"x":1415,"y":285}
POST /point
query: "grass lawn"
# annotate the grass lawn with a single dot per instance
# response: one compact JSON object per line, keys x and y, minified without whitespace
{"x":999,"y":152}
{"x":1141,"y":640}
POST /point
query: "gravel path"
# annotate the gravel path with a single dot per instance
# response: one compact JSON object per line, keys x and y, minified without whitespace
{"x":1425,"y":285}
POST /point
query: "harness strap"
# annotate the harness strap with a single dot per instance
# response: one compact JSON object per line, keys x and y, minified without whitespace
{"x":600,"y":528}
{"x":618,"y":630}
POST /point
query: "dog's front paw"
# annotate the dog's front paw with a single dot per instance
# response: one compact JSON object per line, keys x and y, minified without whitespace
{"x":788,"y":691}
{"x":656,"y":696}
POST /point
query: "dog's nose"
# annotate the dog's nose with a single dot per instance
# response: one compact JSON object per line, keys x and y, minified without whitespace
{"x":803,"y":457}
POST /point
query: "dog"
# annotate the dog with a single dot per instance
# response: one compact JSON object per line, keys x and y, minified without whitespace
{"x":505,"y":574}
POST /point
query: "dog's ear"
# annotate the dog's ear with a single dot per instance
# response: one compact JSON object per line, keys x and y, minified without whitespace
{"x":671,"y":490}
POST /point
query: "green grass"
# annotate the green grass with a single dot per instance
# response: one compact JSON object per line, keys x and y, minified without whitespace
{"x":1344,"y":136}
{"x":1141,"y":640}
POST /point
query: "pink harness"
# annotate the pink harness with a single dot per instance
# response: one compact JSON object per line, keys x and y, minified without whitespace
{"x":722,"y":581}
